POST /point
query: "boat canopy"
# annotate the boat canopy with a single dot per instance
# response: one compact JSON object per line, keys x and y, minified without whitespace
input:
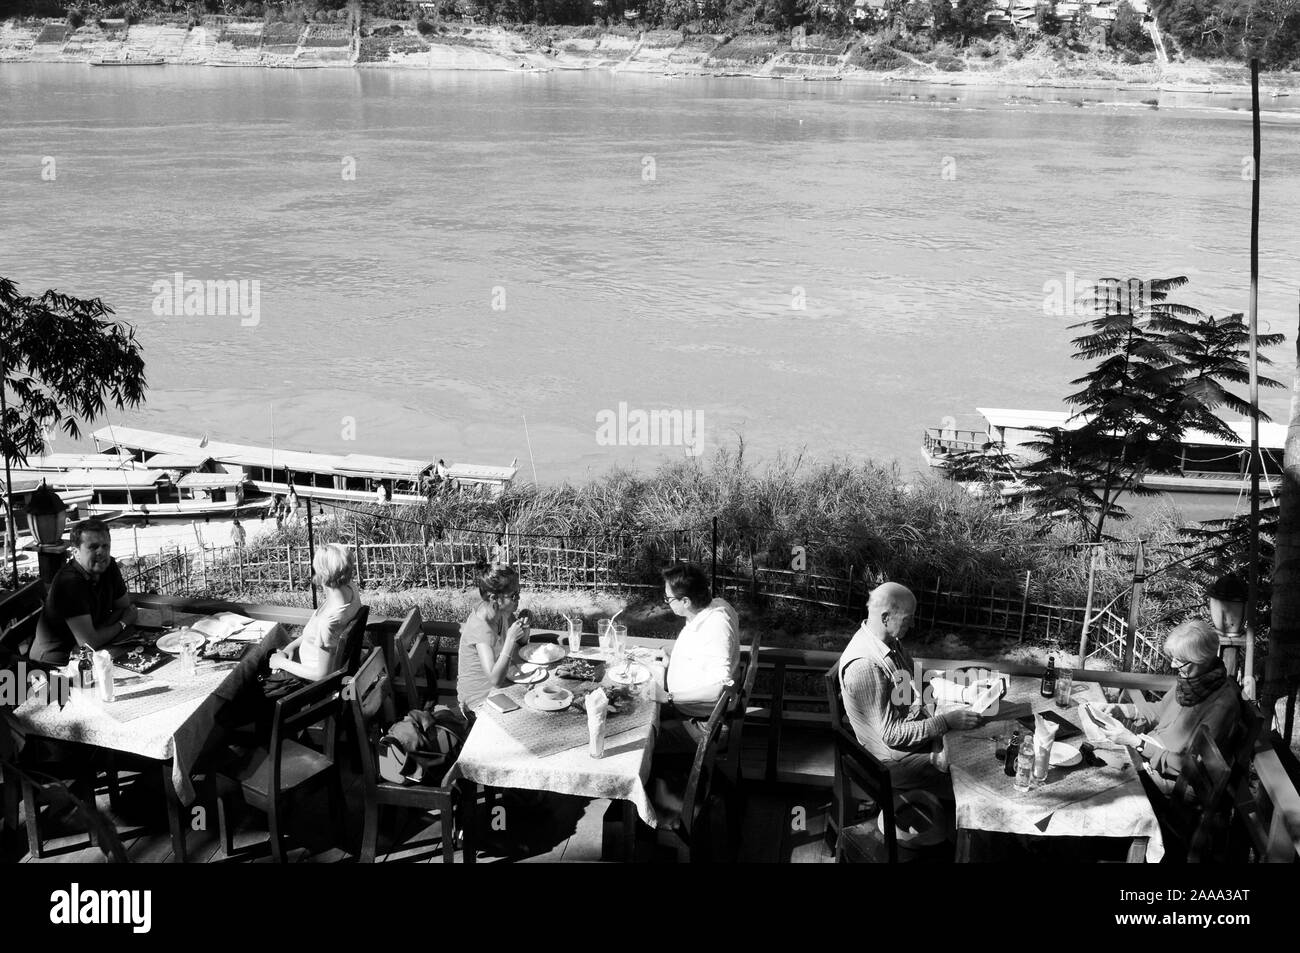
{"x":1272,"y":436}
{"x":178,"y":461}
{"x":360,"y":464}
{"x":78,"y":461}
{"x":484,"y":474}
{"x":98,"y":479}
{"x":245,"y":456}
{"x":210,"y":481}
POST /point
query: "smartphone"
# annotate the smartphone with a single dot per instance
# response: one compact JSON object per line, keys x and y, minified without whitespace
{"x":502,"y":702}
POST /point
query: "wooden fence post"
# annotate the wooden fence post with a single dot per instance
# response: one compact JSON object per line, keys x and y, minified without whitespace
{"x":1134,"y":607}
{"x":1024,"y":606}
{"x":288,"y":562}
{"x":361,"y":565}
{"x":713,"y":565}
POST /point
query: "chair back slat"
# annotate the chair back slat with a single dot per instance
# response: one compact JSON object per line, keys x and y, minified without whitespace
{"x":314,"y":704}
{"x":699,"y":780}
{"x":1204,"y":778}
{"x":410,"y":653}
{"x":370,"y":697}
{"x":346,"y":655}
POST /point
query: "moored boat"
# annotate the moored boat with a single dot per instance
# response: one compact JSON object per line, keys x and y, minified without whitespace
{"x":1205,"y":463}
{"x":129,"y":61}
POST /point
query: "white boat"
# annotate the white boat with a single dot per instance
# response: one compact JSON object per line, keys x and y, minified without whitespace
{"x":128,"y":61}
{"x":1206,"y":463}
{"x":352,"y":477}
{"x":150,"y":494}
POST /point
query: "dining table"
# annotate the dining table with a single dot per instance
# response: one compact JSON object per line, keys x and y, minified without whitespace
{"x":549,"y":750}
{"x":1100,"y":796}
{"x":166,"y":715}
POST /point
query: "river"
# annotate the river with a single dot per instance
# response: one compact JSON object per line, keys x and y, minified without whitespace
{"x":817,"y":266}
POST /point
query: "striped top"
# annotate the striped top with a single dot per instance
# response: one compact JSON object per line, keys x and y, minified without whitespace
{"x":881,"y":703}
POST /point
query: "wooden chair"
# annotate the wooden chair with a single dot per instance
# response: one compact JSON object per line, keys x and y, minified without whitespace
{"x":734,"y":738}
{"x":1202,"y":798}
{"x":370,"y":696}
{"x":20,"y":611}
{"x":267,"y":777}
{"x":856,"y":767}
{"x":408,"y":654}
{"x":1272,"y":818}
{"x":55,"y":784}
{"x":687,"y":828}
{"x":858,"y":774}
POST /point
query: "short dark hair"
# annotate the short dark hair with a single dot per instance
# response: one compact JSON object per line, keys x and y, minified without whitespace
{"x":87,"y":526}
{"x":689,"y":581}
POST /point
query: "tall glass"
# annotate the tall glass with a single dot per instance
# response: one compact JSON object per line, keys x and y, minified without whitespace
{"x":575,"y":636}
{"x":604,"y":634}
{"x":1064,"y":685}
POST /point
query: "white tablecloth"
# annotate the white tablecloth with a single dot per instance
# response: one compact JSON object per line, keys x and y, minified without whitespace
{"x":89,"y":721}
{"x":1084,"y":802}
{"x":491,"y":757}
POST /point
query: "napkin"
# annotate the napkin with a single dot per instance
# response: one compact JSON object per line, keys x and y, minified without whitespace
{"x":1044,"y":733}
{"x":597,"y":711}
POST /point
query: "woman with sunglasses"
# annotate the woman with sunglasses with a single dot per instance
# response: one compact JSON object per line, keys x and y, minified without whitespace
{"x":489,"y":636}
{"x":1203,"y":695}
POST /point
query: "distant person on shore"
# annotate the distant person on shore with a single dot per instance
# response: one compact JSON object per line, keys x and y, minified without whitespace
{"x":882,"y":704}
{"x":441,"y":471}
{"x":237,"y":535}
{"x":381,"y":494}
{"x":702,"y":659}
{"x":277,"y":511}
{"x":489,"y":637}
{"x":291,"y":506}
{"x":88,"y":603}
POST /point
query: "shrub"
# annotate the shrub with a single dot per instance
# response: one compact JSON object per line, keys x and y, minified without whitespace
{"x":424,"y":27}
{"x":76,"y":19}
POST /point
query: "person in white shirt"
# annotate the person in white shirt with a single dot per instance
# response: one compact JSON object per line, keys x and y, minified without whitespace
{"x":702,"y":659}
{"x":335,"y":565}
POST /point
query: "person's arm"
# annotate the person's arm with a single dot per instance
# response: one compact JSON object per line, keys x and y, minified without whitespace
{"x":280,"y":662}
{"x":873,"y":692}
{"x":496,"y":667}
{"x":86,"y":633}
{"x":123,"y":610}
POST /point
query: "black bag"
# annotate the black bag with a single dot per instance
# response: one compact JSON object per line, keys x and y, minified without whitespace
{"x":422,"y":747}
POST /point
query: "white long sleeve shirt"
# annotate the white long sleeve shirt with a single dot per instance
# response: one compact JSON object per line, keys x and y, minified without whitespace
{"x":706,"y":652}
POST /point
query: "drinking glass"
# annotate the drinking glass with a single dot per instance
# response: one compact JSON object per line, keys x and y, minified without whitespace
{"x":1000,"y":741}
{"x":575,"y":636}
{"x":1064,"y":685}
{"x":1042,"y":759}
{"x":167,"y":615}
{"x":618,"y":636}
{"x":604,"y":635}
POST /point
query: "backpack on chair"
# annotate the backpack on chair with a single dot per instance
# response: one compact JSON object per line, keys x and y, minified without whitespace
{"x":422,"y":747}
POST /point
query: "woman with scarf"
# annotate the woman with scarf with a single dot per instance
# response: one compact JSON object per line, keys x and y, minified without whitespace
{"x":1203,"y":695}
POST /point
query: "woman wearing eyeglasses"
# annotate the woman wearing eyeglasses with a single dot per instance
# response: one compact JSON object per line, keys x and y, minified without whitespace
{"x":1203,"y":695}
{"x":489,"y":636}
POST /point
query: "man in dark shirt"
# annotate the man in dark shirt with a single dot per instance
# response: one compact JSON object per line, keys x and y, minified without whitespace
{"x":87,"y":603}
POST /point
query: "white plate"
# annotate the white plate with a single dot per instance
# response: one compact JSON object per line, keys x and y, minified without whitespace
{"x":537,"y":702}
{"x":543,"y":653}
{"x":634,"y":674}
{"x":526,"y":674}
{"x":173,"y":642}
{"x":1065,"y":755}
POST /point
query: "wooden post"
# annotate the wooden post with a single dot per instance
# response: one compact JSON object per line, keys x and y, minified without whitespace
{"x":311,"y":550}
{"x":361,"y":566}
{"x":713,"y":570}
{"x":288,"y":562}
{"x":1087,"y":609}
{"x":1134,"y":607}
{"x":1024,"y":605}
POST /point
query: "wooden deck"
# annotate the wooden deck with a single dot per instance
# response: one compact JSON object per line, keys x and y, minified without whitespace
{"x":782,"y":823}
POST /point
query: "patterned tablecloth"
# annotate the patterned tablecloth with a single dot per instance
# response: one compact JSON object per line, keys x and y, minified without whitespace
{"x":149,"y":712}
{"x":492,"y":756}
{"x":1078,"y":802}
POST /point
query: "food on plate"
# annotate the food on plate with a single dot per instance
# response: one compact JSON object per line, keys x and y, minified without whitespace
{"x":579,"y":669}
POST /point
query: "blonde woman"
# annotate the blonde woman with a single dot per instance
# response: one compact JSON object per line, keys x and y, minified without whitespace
{"x":334,"y":565}
{"x":489,"y":637}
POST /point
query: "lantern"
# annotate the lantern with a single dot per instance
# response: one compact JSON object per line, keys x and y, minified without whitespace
{"x":46,"y":516}
{"x":1227,"y":598}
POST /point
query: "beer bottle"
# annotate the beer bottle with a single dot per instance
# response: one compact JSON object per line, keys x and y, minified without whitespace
{"x":1013,"y":752}
{"x":85,"y":669}
{"x":1048,"y":689}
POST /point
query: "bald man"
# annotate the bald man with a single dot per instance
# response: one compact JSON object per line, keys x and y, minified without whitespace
{"x":883,"y":706}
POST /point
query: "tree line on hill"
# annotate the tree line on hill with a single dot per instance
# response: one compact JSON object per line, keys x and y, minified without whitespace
{"x":1231,"y":29}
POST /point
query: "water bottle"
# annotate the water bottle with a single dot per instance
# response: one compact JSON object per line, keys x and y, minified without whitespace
{"x":1025,"y":765}
{"x":1048,"y":689}
{"x":1013,"y":752}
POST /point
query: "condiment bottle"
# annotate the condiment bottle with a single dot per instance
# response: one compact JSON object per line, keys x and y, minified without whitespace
{"x":85,"y":668}
{"x":1013,"y":751}
{"x":1048,"y":689}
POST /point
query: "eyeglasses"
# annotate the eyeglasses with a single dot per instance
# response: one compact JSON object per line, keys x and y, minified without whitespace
{"x":1176,"y":662}
{"x":669,"y":600}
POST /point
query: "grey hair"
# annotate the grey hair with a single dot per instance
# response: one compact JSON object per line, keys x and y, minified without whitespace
{"x":1193,"y":641}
